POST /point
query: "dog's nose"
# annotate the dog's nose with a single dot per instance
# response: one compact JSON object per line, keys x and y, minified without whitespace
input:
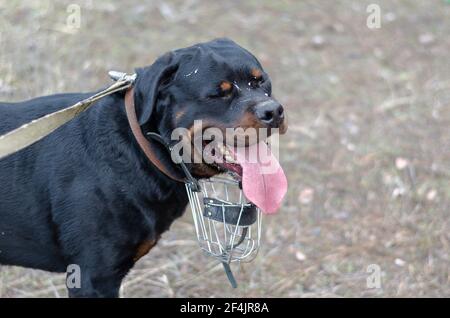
{"x":270,"y":112}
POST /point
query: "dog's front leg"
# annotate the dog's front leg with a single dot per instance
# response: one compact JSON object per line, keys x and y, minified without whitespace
{"x":95,"y":284}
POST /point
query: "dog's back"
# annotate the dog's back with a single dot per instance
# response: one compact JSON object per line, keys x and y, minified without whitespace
{"x":12,"y":115}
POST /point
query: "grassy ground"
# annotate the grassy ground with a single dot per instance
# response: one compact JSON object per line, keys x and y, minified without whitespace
{"x":367,"y":154}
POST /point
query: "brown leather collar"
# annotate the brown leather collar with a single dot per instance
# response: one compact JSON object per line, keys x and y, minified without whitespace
{"x":145,"y":145}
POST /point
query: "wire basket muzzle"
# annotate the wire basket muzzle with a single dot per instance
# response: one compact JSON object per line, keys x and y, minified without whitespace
{"x":228,"y":227}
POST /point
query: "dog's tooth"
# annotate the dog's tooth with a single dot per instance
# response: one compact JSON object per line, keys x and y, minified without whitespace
{"x":229,"y":158}
{"x":229,"y":155}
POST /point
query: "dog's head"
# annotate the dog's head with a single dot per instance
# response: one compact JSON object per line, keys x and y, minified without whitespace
{"x":217,"y":82}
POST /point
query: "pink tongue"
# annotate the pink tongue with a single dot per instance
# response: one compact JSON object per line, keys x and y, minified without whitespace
{"x":263,"y":179}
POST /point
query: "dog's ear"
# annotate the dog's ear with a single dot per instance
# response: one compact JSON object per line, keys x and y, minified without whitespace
{"x":148,"y":82}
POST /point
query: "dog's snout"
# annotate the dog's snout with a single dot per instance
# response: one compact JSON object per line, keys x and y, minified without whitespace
{"x":270,"y":112}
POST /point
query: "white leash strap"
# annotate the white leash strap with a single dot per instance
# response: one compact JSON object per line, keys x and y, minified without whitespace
{"x":37,"y":129}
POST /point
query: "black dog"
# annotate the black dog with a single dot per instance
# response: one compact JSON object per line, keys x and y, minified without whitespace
{"x":87,"y":195}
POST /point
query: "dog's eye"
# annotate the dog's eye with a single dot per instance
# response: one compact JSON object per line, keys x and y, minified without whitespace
{"x":255,"y":82}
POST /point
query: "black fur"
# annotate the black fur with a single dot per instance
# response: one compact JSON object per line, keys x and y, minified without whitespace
{"x":86,"y":194}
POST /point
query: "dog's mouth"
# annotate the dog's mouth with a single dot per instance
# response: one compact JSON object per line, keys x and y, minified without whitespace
{"x":221,"y":158}
{"x":263,"y":180}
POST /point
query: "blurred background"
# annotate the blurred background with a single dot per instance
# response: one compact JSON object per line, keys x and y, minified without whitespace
{"x":367,"y":153}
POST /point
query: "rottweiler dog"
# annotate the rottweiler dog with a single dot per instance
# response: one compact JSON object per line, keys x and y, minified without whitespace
{"x":86,"y":194}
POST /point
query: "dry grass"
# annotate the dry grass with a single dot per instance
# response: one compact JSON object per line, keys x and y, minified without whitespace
{"x":367,"y":154}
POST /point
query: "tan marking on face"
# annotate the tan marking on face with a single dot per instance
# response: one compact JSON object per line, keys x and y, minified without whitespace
{"x":247,"y":129}
{"x":284,"y":125}
{"x":225,"y":86}
{"x":249,"y":120}
{"x":194,"y":132}
{"x":179,"y":114}
{"x":144,"y":248}
{"x":256,"y":73}
{"x":200,"y":169}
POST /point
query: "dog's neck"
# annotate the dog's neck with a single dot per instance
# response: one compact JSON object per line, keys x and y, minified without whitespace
{"x":148,"y":147}
{"x":127,"y":155}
